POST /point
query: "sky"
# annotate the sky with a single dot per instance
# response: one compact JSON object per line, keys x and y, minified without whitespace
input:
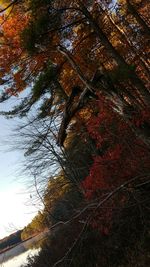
{"x":16,"y":207}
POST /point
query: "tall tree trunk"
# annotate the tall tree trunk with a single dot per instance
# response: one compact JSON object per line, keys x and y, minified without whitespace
{"x":114,"y":53}
{"x":128,"y":42}
{"x":134,"y":12}
{"x":76,"y":67}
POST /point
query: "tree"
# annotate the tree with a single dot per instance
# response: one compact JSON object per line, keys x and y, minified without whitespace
{"x":117,"y":147}
{"x":99,"y":48}
{"x":68,"y":30}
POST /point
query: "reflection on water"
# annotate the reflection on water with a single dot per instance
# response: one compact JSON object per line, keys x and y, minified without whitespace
{"x":19,"y":260}
{"x":18,"y":255}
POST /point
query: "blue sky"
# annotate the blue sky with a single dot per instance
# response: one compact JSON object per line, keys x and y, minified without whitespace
{"x":16,"y":209}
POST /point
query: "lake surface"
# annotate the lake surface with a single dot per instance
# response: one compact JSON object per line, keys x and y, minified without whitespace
{"x":19,"y":260}
{"x":18,"y":255}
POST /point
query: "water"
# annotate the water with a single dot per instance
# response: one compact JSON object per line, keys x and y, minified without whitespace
{"x":17,"y":261}
{"x":18,"y":255}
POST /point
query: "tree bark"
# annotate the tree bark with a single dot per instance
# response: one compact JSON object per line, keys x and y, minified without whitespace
{"x":133,"y":11}
{"x":114,"y":53}
{"x":76,"y":67}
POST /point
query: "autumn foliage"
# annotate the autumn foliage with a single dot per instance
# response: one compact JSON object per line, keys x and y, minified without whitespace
{"x":120,"y":156}
{"x":85,"y":68}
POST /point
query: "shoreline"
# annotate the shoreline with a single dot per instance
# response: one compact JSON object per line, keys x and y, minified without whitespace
{"x":19,"y":243}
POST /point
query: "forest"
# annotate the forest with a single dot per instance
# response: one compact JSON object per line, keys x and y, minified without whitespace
{"x":79,"y":72}
{"x":10,"y":241}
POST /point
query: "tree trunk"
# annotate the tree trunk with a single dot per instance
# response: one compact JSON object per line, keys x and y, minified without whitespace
{"x":133,"y":11}
{"x":114,"y":53}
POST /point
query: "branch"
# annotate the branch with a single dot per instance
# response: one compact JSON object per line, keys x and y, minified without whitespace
{"x":76,"y":67}
{"x":70,"y":112}
{"x":11,"y":4}
{"x":62,"y":28}
{"x":86,"y":223}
